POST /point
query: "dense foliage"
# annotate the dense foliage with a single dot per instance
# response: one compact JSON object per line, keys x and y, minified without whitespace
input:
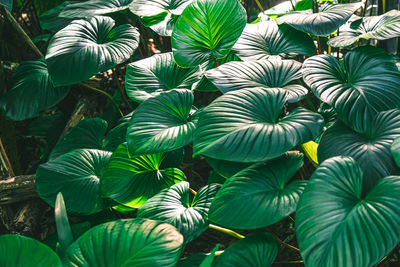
{"x":293,"y":116}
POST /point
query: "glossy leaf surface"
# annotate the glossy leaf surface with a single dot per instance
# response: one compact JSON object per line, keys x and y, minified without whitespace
{"x":93,"y":8}
{"x":162,"y":123}
{"x":336,"y":226}
{"x":259,"y":195}
{"x":265,"y":39}
{"x":132,"y":242}
{"x":133,"y":180}
{"x":245,"y":125}
{"x":76,"y":175}
{"x":87,"y":47}
{"x":172,"y":206}
{"x":207,"y":29}
{"x":148,"y":77}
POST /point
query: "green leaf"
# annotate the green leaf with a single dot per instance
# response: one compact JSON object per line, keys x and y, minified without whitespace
{"x":261,"y":73}
{"x":162,"y":123}
{"x":287,"y":7}
{"x":50,"y":20}
{"x":259,"y":195}
{"x":368,"y":83}
{"x":32,"y":92}
{"x":245,"y":125}
{"x":148,"y":77}
{"x":226,"y":168}
{"x":8,"y":4}
{"x":207,"y":29}
{"x":371,"y":151}
{"x":265,"y":39}
{"x":76,"y":175}
{"x":160,"y":15}
{"x":208,"y":260}
{"x":310,"y":150}
{"x":257,"y":249}
{"x":133,"y":180}
{"x":87,"y":47}
{"x":381,"y":27}
{"x":395,"y":150}
{"x":337,"y":226}
{"x":329,"y":18}
{"x":93,"y":8}
{"x":172,"y":206}
{"x":63,"y":228}
{"x":91,"y":134}
{"x":21,"y":251}
{"x":133,"y":242}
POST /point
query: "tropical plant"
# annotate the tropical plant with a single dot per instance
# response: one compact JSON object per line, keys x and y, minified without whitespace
{"x":281,"y":131}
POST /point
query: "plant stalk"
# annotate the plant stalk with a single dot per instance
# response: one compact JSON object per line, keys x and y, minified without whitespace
{"x":283,"y":243}
{"x":259,"y":6}
{"x":215,"y":62}
{"x":226,"y":231}
{"x":291,"y":2}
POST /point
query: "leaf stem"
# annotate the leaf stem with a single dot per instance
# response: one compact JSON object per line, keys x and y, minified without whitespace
{"x":104,"y":93}
{"x":259,"y":6}
{"x":215,"y":62}
{"x":283,"y":243}
{"x":320,"y":46}
{"x":291,"y":2}
{"x":192,"y":191}
{"x":365,"y":8}
{"x":226,"y":231}
{"x":4,"y":157}
{"x":119,"y":87}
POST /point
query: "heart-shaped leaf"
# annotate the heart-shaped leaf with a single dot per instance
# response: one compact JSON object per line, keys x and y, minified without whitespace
{"x":148,"y":77}
{"x":17,"y":250}
{"x":273,"y":73}
{"x":172,"y":206}
{"x":87,"y":47}
{"x":33,"y":91}
{"x":246,"y":126}
{"x":381,"y":27}
{"x":265,"y":39}
{"x":329,"y":18}
{"x":133,"y":180}
{"x":93,"y":8}
{"x":162,"y":123}
{"x":368,"y":83}
{"x":133,"y":242}
{"x":257,"y":249}
{"x":259,"y":195}
{"x":91,"y":134}
{"x":371,"y":151}
{"x":337,"y":226}
{"x":207,"y":29}
{"x":160,"y":15}
{"x":76,"y":175}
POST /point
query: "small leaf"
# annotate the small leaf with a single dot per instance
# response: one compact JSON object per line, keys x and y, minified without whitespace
{"x":257,"y":249}
{"x":132,"y":242}
{"x":87,"y":47}
{"x":207,"y":29}
{"x":8,"y":4}
{"x":63,"y":228}
{"x":337,"y":226}
{"x":265,"y":39}
{"x":162,"y":123}
{"x":259,"y":195}
{"x":310,"y":149}
{"x":17,"y":250}
{"x":133,"y":180}
{"x":207,"y":262}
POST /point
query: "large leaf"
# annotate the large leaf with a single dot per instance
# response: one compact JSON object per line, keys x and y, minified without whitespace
{"x":133,"y":242}
{"x":273,"y":73}
{"x":172,"y":206}
{"x":207,"y":29}
{"x":93,"y":8}
{"x":257,"y":249}
{"x":371,"y":151}
{"x":329,"y":18}
{"x":265,"y":39}
{"x":245,"y":125}
{"x":87,"y":47}
{"x":50,"y":19}
{"x":76,"y":175}
{"x":21,"y":251}
{"x":32,"y":92}
{"x":148,"y":77}
{"x":381,"y":27}
{"x":287,"y":7}
{"x":91,"y":133}
{"x":160,"y":15}
{"x":259,"y":195}
{"x":133,"y":180}
{"x":162,"y":123}
{"x":368,"y":83}
{"x":337,"y":226}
